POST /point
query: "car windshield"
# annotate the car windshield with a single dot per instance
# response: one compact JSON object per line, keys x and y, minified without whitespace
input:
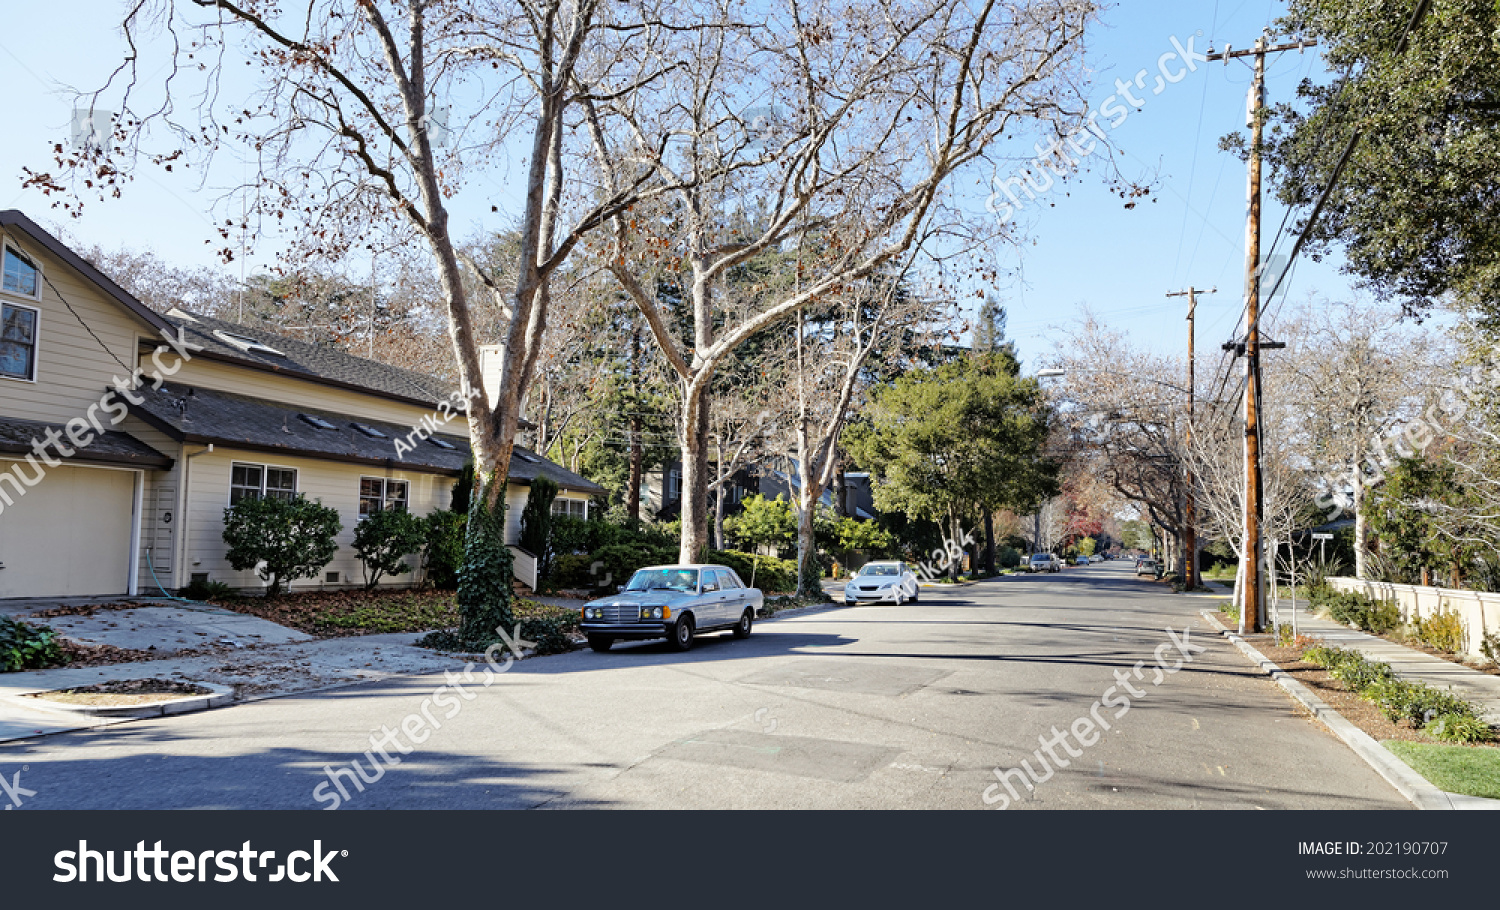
{"x":1040,"y":558}
{"x":885,"y":569}
{"x":664,"y":580}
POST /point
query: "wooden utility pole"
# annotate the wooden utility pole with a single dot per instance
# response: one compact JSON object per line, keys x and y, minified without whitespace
{"x":1190,"y":530}
{"x":1253,"y":616}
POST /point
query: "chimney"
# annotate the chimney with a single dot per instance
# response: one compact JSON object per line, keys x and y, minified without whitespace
{"x":490,"y":357}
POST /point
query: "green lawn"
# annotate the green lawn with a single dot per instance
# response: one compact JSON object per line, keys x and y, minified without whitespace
{"x":1470,"y":770}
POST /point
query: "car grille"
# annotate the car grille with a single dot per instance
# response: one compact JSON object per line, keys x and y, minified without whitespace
{"x":620,"y":613}
{"x":868,"y":589}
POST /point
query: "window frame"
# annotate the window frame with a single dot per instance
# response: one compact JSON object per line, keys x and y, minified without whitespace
{"x":36,"y":338}
{"x":582,"y":511}
{"x":385,"y":499}
{"x":263,"y":490}
{"x":11,"y":249}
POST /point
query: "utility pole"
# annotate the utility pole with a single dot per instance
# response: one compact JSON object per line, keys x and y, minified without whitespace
{"x":1190,"y":532}
{"x":1252,"y":617}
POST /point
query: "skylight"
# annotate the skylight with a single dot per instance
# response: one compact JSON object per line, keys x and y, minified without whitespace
{"x":441,"y":443}
{"x":527,"y":456}
{"x":248,"y":345}
{"x":370,"y":431}
{"x":316,"y":422}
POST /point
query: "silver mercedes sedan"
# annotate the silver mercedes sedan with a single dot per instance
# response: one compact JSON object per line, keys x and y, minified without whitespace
{"x":675,"y":603}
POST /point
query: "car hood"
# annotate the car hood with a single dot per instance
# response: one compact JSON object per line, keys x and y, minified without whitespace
{"x":636,"y":598}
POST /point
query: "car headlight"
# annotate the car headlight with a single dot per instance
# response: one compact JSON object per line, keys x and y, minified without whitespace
{"x":651,"y":612}
{"x":889,"y":584}
{"x":590,"y":613}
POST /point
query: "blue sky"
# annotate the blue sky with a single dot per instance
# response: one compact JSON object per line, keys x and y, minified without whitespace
{"x":1082,"y":248}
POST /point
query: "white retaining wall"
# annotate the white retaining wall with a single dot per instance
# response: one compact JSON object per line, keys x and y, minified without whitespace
{"x":1479,"y":610}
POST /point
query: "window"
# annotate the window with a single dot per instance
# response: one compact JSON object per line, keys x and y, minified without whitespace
{"x":316,"y":422}
{"x":21,"y":275}
{"x":252,"y":481}
{"x":370,"y":431}
{"x":728,"y":581}
{"x":441,"y":443}
{"x":573,"y":508}
{"x":18,"y":342}
{"x":247,"y":345}
{"x":378,"y":493}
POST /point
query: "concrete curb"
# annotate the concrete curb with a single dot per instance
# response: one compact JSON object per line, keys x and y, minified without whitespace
{"x":1396,"y":772}
{"x":219,"y":697}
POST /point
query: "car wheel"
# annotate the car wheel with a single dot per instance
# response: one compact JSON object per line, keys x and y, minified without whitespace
{"x":900,"y":597}
{"x":600,"y":643}
{"x":848,"y":602}
{"x":682,"y":634}
{"x":742,"y":628}
{"x":916,"y":596}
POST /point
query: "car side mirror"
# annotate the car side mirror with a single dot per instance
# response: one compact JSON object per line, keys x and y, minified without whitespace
{"x":619,"y":589}
{"x":708,"y":588}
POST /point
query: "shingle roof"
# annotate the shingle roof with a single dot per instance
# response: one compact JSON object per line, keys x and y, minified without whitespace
{"x":198,"y":415}
{"x":17,"y":220}
{"x":111,"y":447}
{"x":316,"y":362}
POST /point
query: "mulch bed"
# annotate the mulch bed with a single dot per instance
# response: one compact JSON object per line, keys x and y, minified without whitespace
{"x":1363,"y":714}
{"x":124,"y":692}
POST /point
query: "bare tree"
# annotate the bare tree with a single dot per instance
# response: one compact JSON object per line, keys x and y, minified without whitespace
{"x":854,"y":119}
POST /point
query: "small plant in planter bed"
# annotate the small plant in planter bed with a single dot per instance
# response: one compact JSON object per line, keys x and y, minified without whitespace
{"x":27,"y":647}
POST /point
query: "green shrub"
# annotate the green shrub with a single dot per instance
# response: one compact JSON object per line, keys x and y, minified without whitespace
{"x":1008,"y":557}
{"x":443,"y":553}
{"x":571,"y":570}
{"x":1352,"y":608}
{"x":1459,"y":728}
{"x":769,"y":574}
{"x":1360,"y":674}
{"x":536,"y":523}
{"x":1230,"y":609}
{"x":205,"y":590}
{"x":1491,"y":647}
{"x":1443,"y":630}
{"x":295,"y":538}
{"x":1416,"y":701}
{"x":619,"y":561}
{"x":27,"y":647}
{"x":547,"y":626}
{"x":383,"y":539}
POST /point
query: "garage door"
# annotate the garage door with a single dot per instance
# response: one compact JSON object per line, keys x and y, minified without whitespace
{"x":69,"y":535}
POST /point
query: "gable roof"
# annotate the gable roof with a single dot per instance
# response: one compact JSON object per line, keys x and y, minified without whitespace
{"x":10,"y":218}
{"x":202,"y":416}
{"x":305,"y":360}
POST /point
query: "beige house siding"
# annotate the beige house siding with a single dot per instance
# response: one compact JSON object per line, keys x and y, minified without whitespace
{"x":73,"y":368}
{"x":332,"y":483}
{"x":161,"y":508}
{"x":315,"y":396}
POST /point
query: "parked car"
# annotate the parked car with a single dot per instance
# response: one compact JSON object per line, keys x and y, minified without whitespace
{"x":1097,"y":558}
{"x":1044,"y":562}
{"x":883,"y":582}
{"x":1145,"y":567}
{"x":1081,"y":561}
{"x":675,"y":603}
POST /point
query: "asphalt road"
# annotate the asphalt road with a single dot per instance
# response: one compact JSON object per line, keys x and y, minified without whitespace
{"x":872,"y":707}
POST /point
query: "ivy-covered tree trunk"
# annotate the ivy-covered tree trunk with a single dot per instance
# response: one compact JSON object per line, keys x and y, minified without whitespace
{"x":484,"y":581}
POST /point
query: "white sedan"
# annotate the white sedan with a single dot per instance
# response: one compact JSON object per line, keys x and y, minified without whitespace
{"x":883,"y":582}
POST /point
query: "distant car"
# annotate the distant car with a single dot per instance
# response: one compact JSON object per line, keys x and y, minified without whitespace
{"x":675,"y":603}
{"x":883,"y":582}
{"x":1044,"y":562}
{"x":1081,"y":561}
{"x":1096,"y":558}
{"x":1145,"y":567}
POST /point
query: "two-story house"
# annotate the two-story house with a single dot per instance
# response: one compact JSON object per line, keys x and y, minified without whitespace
{"x":125,"y":433}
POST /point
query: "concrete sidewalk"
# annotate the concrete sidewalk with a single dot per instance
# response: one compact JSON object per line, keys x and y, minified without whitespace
{"x":1480,"y":688}
{"x":257,"y":672}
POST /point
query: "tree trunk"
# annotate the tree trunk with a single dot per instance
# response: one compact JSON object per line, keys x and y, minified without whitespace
{"x":633,"y":493}
{"x":719,"y":498}
{"x":694,"y":500}
{"x":1361,"y":530}
{"x":841,"y":491}
{"x":988,"y":563}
